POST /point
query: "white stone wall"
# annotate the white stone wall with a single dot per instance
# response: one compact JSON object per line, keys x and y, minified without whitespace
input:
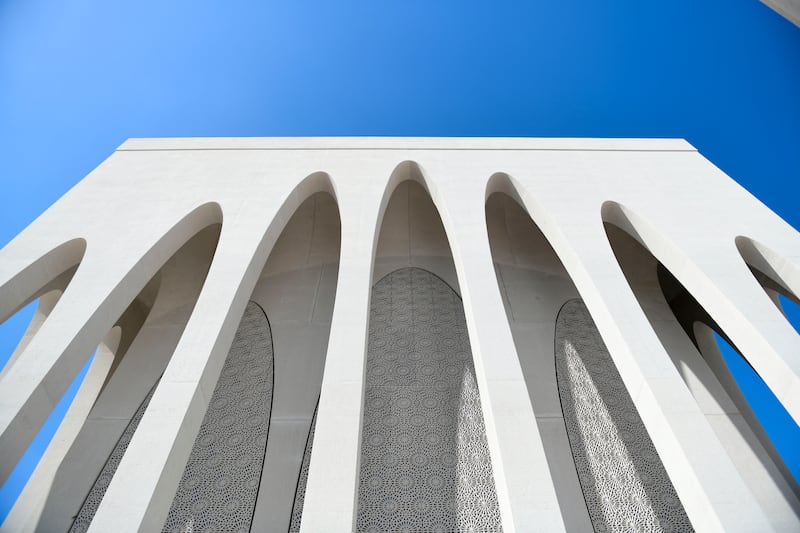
{"x":127,"y":218}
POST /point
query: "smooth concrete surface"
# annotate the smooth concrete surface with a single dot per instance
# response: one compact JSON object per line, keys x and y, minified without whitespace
{"x":535,"y":286}
{"x":162,"y":192}
{"x":27,"y":510}
{"x":296,"y":290}
{"x":132,"y":373}
{"x":697,"y":358}
{"x":47,"y":301}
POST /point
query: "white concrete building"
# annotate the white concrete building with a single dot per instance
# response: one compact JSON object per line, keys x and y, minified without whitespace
{"x":401,"y":334}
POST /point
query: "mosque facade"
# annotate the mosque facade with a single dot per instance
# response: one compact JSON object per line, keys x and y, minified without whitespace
{"x":401,"y":334}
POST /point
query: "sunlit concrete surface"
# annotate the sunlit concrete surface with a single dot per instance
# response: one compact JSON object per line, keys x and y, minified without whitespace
{"x":153,"y":258}
{"x":787,"y":8}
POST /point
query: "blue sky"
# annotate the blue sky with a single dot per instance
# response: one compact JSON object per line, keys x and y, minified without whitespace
{"x":79,"y":77}
{"x":777,"y":422}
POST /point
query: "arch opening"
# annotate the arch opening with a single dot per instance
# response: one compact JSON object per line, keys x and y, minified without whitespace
{"x":769,"y":268}
{"x":124,"y":373}
{"x":16,"y":332}
{"x":280,"y":346}
{"x":565,"y":365}
{"x":37,"y":290}
{"x":766,"y":266}
{"x":411,"y":232}
{"x":31,"y":460}
{"x":687,"y":333}
{"x":34,"y":475}
{"x":425,"y":461}
{"x":52,"y":271}
{"x":30,"y":483}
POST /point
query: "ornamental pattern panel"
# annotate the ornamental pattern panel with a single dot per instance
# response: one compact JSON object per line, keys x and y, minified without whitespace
{"x":302,"y":480}
{"x":92,"y":502}
{"x":220,"y":483}
{"x":624,"y":483}
{"x":424,"y":456}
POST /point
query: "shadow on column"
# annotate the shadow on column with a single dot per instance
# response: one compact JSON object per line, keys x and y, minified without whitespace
{"x":15,"y":336}
{"x":606,"y":472}
{"x":686,"y":331}
{"x":245,"y":471}
{"x":26,"y":491}
{"x":425,"y":462}
{"x":139,"y":348}
{"x":761,"y":262}
{"x":44,"y":298}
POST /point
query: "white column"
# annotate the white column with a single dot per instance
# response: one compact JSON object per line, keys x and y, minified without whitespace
{"x":36,"y":382}
{"x":25,"y":514}
{"x":525,"y":489}
{"x":141,"y":492}
{"x":713,"y":494}
{"x":739,"y":305}
{"x":332,"y":488}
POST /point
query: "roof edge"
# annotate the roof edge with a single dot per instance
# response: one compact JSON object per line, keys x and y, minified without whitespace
{"x":405,"y":143}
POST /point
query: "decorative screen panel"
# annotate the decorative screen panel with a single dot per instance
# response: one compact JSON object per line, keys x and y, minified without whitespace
{"x":220,"y":483}
{"x":623,"y":480}
{"x":424,"y":456}
{"x":90,"y":505}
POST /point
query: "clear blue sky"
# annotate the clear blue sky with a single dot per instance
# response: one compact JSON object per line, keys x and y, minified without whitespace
{"x":79,"y":77}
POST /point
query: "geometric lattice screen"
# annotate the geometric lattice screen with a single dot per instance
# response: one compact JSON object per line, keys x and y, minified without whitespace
{"x":424,"y":456}
{"x":89,"y":507}
{"x":623,"y":480}
{"x":220,"y":484}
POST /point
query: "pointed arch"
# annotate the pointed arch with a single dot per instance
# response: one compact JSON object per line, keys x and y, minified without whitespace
{"x":730,"y":298}
{"x":51,"y":270}
{"x":411,"y":232}
{"x":27,"y":397}
{"x":683,"y":327}
{"x":393,"y":233}
{"x":534,"y":285}
{"x":295,"y":289}
{"x":418,"y":347}
{"x":543,"y":308}
{"x":771,"y":269}
{"x":778,"y":277}
{"x":144,"y":335}
{"x":197,"y":363}
{"x":45,"y":279}
{"x":32,"y":496}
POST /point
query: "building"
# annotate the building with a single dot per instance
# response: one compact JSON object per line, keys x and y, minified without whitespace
{"x":789,"y":9}
{"x":391,"y":334}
